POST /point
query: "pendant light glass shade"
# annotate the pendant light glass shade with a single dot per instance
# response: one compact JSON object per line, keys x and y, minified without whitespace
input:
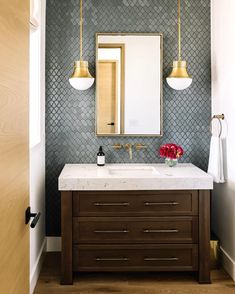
{"x":81,"y":79}
{"x":179,"y":79}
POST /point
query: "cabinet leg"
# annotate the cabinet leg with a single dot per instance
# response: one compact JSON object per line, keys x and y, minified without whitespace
{"x":204,"y":237}
{"x":66,"y":234}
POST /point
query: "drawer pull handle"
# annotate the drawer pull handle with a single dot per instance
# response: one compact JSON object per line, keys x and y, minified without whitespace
{"x":112,"y":204}
{"x":161,"y":259}
{"x":161,"y":231}
{"x":111,"y":232}
{"x":160,"y":203}
{"x":112,"y":259}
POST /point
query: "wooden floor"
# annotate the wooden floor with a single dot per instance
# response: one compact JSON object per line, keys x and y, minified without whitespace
{"x":129,"y":283}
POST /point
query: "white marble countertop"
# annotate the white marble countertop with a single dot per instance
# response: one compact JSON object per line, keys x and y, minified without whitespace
{"x":90,"y":177}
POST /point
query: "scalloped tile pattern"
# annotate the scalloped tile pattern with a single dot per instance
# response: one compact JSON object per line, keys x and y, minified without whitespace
{"x":70,"y":114}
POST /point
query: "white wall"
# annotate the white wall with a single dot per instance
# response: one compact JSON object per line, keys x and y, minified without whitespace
{"x":223,"y":101}
{"x":37,"y":158}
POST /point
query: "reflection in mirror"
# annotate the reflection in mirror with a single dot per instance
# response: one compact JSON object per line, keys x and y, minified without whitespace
{"x":129,"y":84}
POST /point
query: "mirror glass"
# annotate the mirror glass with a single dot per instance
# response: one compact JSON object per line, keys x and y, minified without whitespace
{"x":129,"y":84}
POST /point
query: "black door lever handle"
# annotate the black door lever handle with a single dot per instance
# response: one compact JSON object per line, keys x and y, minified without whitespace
{"x":29,"y":215}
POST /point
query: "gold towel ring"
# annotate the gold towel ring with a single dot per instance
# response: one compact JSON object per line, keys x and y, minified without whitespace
{"x":219,"y":117}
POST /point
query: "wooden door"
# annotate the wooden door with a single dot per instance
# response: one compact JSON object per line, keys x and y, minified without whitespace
{"x":14,"y":146}
{"x":108,"y":97}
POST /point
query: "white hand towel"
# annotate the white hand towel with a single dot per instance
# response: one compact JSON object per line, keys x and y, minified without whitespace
{"x":215,"y":166}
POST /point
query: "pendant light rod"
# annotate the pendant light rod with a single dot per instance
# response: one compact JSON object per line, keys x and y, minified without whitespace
{"x":179,"y":79}
{"x":179,"y":30}
{"x":81,"y":31}
{"x":81,"y":79}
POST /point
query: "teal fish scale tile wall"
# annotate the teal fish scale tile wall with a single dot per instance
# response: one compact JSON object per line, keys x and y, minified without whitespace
{"x":70,"y":114}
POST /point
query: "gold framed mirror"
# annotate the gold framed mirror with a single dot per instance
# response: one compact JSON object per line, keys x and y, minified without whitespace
{"x":129,"y":84}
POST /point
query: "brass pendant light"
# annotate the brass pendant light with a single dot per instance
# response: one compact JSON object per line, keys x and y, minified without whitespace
{"x":81,"y":78}
{"x":179,"y":78}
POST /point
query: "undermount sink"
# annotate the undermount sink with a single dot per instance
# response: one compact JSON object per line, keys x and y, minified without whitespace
{"x":133,"y":171}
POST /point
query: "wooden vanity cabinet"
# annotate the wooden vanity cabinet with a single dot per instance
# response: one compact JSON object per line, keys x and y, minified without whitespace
{"x":135,"y":231}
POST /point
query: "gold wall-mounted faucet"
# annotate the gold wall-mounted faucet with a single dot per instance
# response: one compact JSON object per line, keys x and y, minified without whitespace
{"x":128,"y":147}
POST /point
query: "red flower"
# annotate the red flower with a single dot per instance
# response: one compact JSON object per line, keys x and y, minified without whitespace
{"x":180,"y":151}
{"x":171,"y":151}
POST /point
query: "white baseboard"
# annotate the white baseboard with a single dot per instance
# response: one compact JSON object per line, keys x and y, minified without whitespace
{"x":34,"y":275}
{"x":228,"y":263}
{"x":53,"y":244}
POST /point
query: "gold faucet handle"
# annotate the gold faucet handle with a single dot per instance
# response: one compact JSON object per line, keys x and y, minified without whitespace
{"x":139,"y":146}
{"x":117,"y":146}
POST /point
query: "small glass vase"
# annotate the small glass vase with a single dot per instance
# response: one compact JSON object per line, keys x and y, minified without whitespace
{"x":171,"y":162}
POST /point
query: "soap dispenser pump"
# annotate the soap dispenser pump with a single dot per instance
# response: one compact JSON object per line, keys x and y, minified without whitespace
{"x":100,"y":157}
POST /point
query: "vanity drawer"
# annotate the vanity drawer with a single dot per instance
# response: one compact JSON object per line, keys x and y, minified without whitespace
{"x":135,"y":257}
{"x":135,"y":203}
{"x":135,"y":230}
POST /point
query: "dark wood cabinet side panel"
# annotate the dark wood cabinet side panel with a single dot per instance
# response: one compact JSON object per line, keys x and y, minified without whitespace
{"x":75,"y":203}
{"x":195,"y":205}
{"x":66,"y":234}
{"x":204,"y":237}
